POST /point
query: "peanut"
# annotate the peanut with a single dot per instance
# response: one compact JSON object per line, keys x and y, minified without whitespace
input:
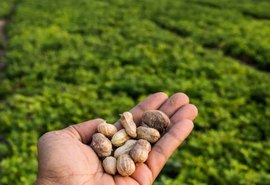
{"x":119,"y":138}
{"x":124,"y":149}
{"x":106,"y":129}
{"x":128,"y":151}
{"x":149,"y":134}
{"x":127,"y":122}
{"x":101,"y":145}
{"x":156,"y":119}
{"x":109,"y":165}
{"x":139,"y":153}
{"x":125,"y":165}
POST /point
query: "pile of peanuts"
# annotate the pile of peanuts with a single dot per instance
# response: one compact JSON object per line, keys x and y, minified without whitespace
{"x":120,"y":150}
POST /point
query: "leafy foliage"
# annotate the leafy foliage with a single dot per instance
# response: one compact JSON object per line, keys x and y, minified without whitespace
{"x":221,"y":27}
{"x":5,"y":7}
{"x":70,"y":61}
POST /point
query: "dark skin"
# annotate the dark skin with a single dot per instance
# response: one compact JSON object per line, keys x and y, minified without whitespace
{"x":66,"y":158}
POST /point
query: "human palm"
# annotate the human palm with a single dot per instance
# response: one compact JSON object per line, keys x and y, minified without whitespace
{"x":66,"y":158}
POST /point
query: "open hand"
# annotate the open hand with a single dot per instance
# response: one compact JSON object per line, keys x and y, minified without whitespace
{"x":66,"y":158}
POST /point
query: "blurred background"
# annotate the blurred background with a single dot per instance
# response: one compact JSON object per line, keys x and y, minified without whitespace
{"x":64,"y":62}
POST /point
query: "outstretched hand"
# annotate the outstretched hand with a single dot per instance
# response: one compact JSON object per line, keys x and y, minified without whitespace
{"x":66,"y":158}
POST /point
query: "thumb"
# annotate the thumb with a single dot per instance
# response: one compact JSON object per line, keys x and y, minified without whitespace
{"x":84,"y":131}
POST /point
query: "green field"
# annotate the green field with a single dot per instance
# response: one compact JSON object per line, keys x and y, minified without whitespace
{"x":75,"y":60}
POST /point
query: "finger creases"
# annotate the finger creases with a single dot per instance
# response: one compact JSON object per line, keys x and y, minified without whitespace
{"x":165,"y":147}
{"x":188,"y":111}
{"x":142,"y":178}
{"x":174,"y":103}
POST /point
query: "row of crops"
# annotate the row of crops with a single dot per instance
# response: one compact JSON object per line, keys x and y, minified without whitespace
{"x":219,"y":25}
{"x":70,"y":61}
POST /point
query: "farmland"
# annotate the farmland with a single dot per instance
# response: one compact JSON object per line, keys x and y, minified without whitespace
{"x":71,"y":61}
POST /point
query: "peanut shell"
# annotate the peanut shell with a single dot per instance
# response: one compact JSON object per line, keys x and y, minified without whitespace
{"x":119,"y":138}
{"x":106,"y":129}
{"x":156,"y":119}
{"x":101,"y":145}
{"x":109,"y":165}
{"x":125,"y":165}
{"x":124,"y":149}
{"x":139,"y":153}
{"x":127,"y":122}
{"x":150,"y":134}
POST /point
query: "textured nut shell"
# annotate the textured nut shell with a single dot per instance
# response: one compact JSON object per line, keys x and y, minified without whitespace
{"x":127,"y":122}
{"x":109,"y":165}
{"x":144,"y":125}
{"x":156,"y":119}
{"x":101,"y":145}
{"x":149,"y":134}
{"x":119,"y":138}
{"x":144,"y":144}
{"x":106,"y":129}
{"x":139,"y":153}
{"x":139,"y":156}
{"x":124,"y":149}
{"x":125,"y":165}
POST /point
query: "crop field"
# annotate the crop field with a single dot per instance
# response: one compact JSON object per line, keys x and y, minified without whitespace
{"x":67,"y":61}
